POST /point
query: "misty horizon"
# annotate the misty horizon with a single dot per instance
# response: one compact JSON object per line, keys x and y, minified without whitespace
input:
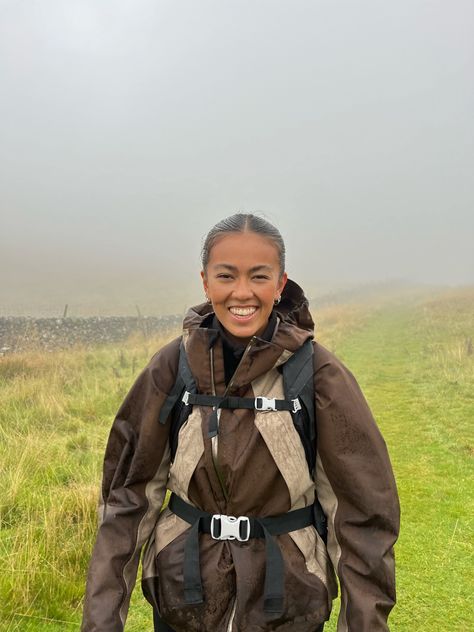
{"x":128,"y":130}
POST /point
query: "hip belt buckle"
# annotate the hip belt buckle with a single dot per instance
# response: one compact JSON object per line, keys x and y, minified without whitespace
{"x":228,"y":527}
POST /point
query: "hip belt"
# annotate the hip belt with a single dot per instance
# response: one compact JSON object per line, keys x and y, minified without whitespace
{"x":241,"y":528}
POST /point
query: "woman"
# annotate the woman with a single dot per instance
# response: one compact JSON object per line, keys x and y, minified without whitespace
{"x":240,"y":470}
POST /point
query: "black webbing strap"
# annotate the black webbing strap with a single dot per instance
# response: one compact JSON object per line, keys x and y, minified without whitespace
{"x":171,"y":400}
{"x":259,"y":528}
{"x":213,"y":424}
{"x":298,"y":370}
{"x":236,"y":402}
{"x":296,"y":373}
{"x":184,"y":381}
{"x":250,"y":403}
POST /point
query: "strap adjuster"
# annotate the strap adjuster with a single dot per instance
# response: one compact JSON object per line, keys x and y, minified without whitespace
{"x":296,"y":405}
{"x":185,"y":398}
{"x":264,"y":403}
{"x":229,"y":527}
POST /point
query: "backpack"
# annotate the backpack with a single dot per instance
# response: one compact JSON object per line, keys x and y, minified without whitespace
{"x":299,"y":401}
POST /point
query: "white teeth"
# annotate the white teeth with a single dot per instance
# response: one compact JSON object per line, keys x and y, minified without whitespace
{"x":243,"y":311}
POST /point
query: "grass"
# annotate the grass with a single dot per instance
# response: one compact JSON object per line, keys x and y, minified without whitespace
{"x":415,"y":364}
{"x":416,"y":369}
{"x":54,"y":421}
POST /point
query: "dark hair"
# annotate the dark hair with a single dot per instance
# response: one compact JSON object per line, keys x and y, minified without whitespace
{"x":241,"y":223}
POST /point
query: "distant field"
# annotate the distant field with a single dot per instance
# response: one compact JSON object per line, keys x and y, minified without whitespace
{"x":415,"y":362}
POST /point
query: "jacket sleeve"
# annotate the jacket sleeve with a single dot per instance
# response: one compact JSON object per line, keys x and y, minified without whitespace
{"x":357,"y":490}
{"x":135,"y":474}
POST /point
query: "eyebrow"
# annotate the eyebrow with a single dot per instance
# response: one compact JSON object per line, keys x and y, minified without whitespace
{"x":232,"y":268}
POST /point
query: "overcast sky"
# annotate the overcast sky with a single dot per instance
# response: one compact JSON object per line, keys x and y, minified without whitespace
{"x":128,"y":128}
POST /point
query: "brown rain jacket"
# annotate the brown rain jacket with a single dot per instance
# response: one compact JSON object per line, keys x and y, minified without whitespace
{"x":255,"y":466}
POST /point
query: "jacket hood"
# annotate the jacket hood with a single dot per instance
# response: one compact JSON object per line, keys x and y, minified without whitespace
{"x":293,"y":312}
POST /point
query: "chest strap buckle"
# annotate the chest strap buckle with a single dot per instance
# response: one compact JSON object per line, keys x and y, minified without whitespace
{"x":229,"y":528}
{"x":264,"y":403}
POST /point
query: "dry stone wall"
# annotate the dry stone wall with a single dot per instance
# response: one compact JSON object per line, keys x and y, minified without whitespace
{"x":25,"y":333}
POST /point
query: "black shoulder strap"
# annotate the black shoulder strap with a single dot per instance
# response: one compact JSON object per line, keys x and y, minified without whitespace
{"x":184,"y":381}
{"x":298,"y":370}
{"x":174,"y":408}
{"x":298,"y":383}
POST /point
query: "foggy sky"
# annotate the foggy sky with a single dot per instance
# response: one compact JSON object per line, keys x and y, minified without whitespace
{"x":128,"y":128}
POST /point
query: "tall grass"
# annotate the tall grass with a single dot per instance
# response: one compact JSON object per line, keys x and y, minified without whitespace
{"x":54,"y":420}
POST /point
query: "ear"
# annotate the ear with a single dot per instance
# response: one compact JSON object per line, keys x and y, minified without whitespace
{"x":204,"y":281}
{"x":282,"y":283}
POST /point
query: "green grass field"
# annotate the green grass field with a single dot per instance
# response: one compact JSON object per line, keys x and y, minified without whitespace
{"x":414,"y":361}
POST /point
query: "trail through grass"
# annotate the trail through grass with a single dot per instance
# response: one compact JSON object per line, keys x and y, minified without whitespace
{"x":413,"y":362}
{"x":415,"y":370}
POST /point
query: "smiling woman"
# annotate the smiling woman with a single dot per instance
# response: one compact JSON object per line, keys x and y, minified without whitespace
{"x":243,"y":281}
{"x":278,"y":473}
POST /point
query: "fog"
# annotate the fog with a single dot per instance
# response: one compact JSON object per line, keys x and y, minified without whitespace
{"x":127,"y":129}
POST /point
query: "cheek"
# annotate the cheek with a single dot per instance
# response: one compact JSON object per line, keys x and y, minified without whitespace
{"x":269,"y":297}
{"x":217,"y":293}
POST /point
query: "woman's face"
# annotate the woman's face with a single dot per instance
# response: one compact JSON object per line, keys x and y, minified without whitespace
{"x":242,"y":280}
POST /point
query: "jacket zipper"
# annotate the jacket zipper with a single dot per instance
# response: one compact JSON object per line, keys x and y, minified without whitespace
{"x":247,"y":349}
{"x":211,"y":359}
{"x":215,"y":440}
{"x":215,"y":444}
{"x":232,"y":615}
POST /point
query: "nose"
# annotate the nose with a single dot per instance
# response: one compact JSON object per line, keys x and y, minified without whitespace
{"x":242,"y":290}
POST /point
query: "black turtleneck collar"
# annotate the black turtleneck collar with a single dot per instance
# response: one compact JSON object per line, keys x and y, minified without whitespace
{"x":233,"y":350}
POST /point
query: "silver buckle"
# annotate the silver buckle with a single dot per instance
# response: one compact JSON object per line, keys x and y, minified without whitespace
{"x":267,"y":404}
{"x":230,"y":527}
{"x":185,"y":398}
{"x":296,"y":405}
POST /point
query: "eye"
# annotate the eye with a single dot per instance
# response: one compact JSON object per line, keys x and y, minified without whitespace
{"x":223,"y":275}
{"x":261,"y":277}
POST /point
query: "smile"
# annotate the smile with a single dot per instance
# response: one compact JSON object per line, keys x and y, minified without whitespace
{"x":242,"y":312}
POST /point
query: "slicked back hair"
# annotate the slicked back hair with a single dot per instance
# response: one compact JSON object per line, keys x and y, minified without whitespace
{"x":241,"y":223}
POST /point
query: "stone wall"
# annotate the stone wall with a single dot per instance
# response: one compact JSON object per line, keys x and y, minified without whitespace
{"x":25,"y":333}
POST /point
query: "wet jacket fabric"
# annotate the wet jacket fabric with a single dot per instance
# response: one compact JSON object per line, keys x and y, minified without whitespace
{"x":255,"y":466}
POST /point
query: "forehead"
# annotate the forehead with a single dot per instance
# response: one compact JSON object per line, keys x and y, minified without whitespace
{"x":244,"y":249}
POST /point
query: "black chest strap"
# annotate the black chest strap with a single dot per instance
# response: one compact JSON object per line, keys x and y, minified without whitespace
{"x":232,"y":402}
{"x":229,"y":401}
{"x":297,"y":373}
